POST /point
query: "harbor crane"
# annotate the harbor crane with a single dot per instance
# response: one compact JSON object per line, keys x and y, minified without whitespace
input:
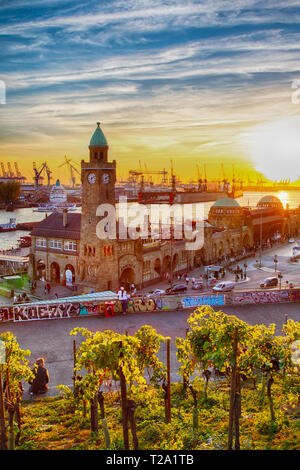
{"x":72,"y":170}
{"x":4,"y":174}
{"x":11,"y":173}
{"x":38,"y":172}
{"x":18,"y":173}
{"x":200,"y":182}
{"x":134,"y":174}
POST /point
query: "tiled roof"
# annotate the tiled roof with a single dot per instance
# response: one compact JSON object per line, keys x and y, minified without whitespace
{"x":52,"y":226}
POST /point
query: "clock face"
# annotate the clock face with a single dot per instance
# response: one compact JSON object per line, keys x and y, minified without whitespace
{"x":105,"y":178}
{"x":91,"y":178}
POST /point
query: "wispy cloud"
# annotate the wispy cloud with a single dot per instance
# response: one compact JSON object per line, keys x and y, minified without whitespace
{"x":164,"y":74}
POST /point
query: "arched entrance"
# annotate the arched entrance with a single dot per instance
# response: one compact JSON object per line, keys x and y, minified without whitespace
{"x":166,"y":264}
{"x":41,"y":269}
{"x":69,"y":274}
{"x":246,"y":241}
{"x":127,"y":278}
{"x":175,"y":261}
{"x":55,"y":272}
{"x":157,"y":266}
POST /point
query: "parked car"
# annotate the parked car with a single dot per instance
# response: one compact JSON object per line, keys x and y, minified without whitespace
{"x":269,"y":282}
{"x":176,"y":289}
{"x":156,"y":292}
{"x":224,"y":286}
{"x":197,"y":286}
{"x":211,"y":281}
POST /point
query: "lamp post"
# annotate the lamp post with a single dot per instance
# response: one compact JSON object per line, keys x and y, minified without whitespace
{"x":275,"y":262}
{"x":280,"y":276}
{"x":260,"y":238}
{"x":245,"y":268}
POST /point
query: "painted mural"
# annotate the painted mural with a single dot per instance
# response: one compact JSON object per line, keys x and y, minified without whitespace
{"x":261,"y":297}
{"x":203,"y":300}
{"x":47,"y":311}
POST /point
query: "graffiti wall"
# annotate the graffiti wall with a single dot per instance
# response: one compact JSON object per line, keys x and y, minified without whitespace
{"x":47,"y":311}
{"x":263,"y":297}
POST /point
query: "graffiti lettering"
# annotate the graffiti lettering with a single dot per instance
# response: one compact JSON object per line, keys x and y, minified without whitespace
{"x":261,"y":297}
{"x":203,"y":300}
{"x":45,"y":311}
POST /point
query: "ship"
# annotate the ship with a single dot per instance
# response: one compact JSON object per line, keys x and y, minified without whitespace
{"x":55,"y":207}
{"x":57,"y":201}
{"x":9,"y":227}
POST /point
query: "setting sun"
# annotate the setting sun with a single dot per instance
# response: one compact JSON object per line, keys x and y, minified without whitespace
{"x":274,"y":148}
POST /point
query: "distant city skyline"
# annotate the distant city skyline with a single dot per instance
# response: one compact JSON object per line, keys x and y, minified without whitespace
{"x":195,"y":82}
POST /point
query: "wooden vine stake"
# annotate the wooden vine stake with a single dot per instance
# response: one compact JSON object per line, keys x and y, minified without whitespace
{"x":124,"y":405}
{"x":74,"y":367}
{"x":104,"y":423}
{"x":3,"y":430}
{"x":168,"y":397}
{"x":235,"y":398}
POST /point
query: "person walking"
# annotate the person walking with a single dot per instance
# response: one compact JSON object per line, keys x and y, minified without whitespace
{"x":122,"y":296}
{"x":40,"y":382}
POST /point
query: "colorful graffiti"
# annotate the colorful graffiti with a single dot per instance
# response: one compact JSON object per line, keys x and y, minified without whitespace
{"x":133,"y":305}
{"x":260,"y":297}
{"x":203,"y":300}
{"x":47,"y":311}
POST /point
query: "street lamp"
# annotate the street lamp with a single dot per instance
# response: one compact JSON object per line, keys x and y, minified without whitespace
{"x":260,"y":239}
{"x":280,"y":276}
{"x":275,"y":262}
{"x":245,"y":268}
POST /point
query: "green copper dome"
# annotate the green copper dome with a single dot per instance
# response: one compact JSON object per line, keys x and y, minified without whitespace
{"x":226,"y":202}
{"x":98,"y":139}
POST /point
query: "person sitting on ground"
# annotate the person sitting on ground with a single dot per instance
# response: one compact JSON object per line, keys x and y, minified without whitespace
{"x":40,"y":382}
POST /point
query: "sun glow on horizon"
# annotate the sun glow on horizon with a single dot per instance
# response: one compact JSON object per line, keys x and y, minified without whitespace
{"x":274,"y":148}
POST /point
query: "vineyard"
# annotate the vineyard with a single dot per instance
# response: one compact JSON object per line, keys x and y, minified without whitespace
{"x":239,"y":388}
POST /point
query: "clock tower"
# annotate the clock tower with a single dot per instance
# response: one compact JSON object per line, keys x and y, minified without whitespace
{"x":98,"y":261}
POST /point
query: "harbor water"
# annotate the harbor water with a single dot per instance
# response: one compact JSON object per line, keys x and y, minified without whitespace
{"x":10,"y":239}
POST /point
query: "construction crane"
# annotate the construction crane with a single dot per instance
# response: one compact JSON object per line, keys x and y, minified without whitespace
{"x":11,"y":173}
{"x":173,"y":177}
{"x":18,"y":173}
{"x":4,"y":174}
{"x":199,"y":177}
{"x":233,"y":175}
{"x":38,"y":172}
{"x":72,"y":170}
{"x":134,"y":174}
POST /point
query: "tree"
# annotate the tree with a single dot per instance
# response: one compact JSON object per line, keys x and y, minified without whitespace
{"x":105,"y":356}
{"x":10,"y":192}
{"x":12,"y":373}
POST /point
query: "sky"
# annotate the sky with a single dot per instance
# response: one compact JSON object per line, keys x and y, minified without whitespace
{"x":196,"y":82}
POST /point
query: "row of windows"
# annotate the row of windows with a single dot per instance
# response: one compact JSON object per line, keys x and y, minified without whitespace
{"x":68,"y":245}
{"x":226,"y":211}
{"x":107,"y":250}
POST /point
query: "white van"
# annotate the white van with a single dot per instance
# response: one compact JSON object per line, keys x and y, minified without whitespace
{"x":224,"y":286}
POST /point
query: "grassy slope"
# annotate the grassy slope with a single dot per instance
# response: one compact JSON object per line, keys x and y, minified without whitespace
{"x":52,"y":423}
